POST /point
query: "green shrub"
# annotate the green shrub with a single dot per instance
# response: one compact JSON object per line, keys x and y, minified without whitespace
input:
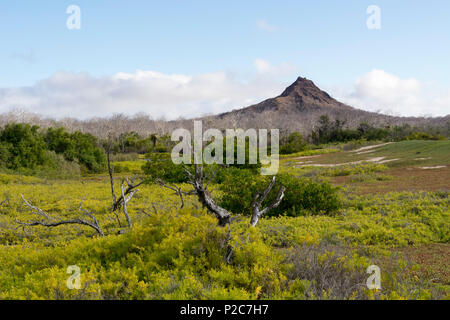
{"x":26,"y":149}
{"x":424,"y":136}
{"x":77,"y":146}
{"x":22,"y":146}
{"x":238,"y":186}
{"x":293,"y":143}
{"x":160,"y":165}
{"x":302,"y":196}
{"x":306,"y":196}
{"x":57,"y":166}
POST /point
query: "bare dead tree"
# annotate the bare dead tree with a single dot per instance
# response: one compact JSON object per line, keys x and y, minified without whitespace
{"x":126,"y":199}
{"x":196,"y":180}
{"x":259,"y":198}
{"x":223,"y":216}
{"x":131,"y":185}
{"x":111,"y":180}
{"x":126,"y":193}
{"x":130,"y":189}
{"x":111,"y":172}
{"x":48,"y":221}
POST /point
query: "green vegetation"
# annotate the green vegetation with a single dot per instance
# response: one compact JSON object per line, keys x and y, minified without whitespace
{"x":78,"y":147}
{"x":302,"y":196}
{"x":329,"y":131}
{"x":161,"y":166}
{"x":293,"y":143}
{"x":132,"y":142}
{"x":405,"y":153}
{"x":178,"y":254}
{"x":316,"y":244}
{"x":28,"y":149}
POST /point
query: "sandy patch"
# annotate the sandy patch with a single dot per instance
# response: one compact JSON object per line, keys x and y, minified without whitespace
{"x":378,"y":160}
{"x":307,"y":157}
{"x":371,"y":147}
{"x":365,"y":152}
{"x":386,"y":161}
{"x":304,"y":162}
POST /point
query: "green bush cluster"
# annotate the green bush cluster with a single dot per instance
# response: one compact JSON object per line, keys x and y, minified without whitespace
{"x":133,"y":142}
{"x":303,"y":196}
{"x":161,"y":166}
{"x":293,"y":143}
{"x":28,"y":149}
{"x":77,"y":146}
{"x":336,"y":131}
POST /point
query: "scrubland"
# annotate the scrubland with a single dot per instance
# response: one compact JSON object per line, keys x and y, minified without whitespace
{"x":173,"y":253}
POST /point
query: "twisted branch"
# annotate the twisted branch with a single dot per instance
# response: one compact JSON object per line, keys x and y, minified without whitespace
{"x":126,"y":199}
{"x":204,"y":197}
{"x":177,"y":191}
{"x":130,"y":189}
{"x":46,"y":222}
{"x":259,"y":198}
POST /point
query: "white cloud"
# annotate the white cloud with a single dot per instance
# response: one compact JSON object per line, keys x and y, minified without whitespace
{"x":387,"y":93}
{"x":83,"y":96}
{"x":170,"y":96}
{"x":266,"y":26}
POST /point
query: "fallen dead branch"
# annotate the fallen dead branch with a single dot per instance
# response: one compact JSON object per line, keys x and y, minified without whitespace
{"x":48,"y":221}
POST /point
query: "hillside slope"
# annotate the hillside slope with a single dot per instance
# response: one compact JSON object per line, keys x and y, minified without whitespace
{"x":301,"y":104}
{"x":297,"y":108}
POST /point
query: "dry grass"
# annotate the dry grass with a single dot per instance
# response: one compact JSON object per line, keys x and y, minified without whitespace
{"x":404,"y":179}
{"x":433,"y":260}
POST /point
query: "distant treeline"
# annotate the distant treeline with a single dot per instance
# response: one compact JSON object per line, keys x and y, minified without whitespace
{"x":29,"y":149}
{"x":334,"y":131}
{"x":327,"y":131}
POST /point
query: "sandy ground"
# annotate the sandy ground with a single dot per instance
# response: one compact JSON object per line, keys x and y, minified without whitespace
{"x":379,"y":160}
{"x":307,"y":157}
{"x":369,"y":148}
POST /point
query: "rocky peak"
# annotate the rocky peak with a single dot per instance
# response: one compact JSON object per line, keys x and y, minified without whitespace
{"x":307,"y":90}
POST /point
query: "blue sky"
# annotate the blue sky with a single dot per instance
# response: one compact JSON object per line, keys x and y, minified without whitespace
{"x":264,"y":44}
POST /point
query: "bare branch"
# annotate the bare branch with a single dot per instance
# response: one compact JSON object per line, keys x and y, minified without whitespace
{"x":259,"y":199}
{"x":177,"y":190}
{"x":204,"y":197}
{"x":111,"y":173}
{"x":35,"y":210}
{"x":49,"y":223}
{"x":125,"y":200}
{"x":154,"y":208}
{"x":131,"y":186}
{"x":4,"y":201}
